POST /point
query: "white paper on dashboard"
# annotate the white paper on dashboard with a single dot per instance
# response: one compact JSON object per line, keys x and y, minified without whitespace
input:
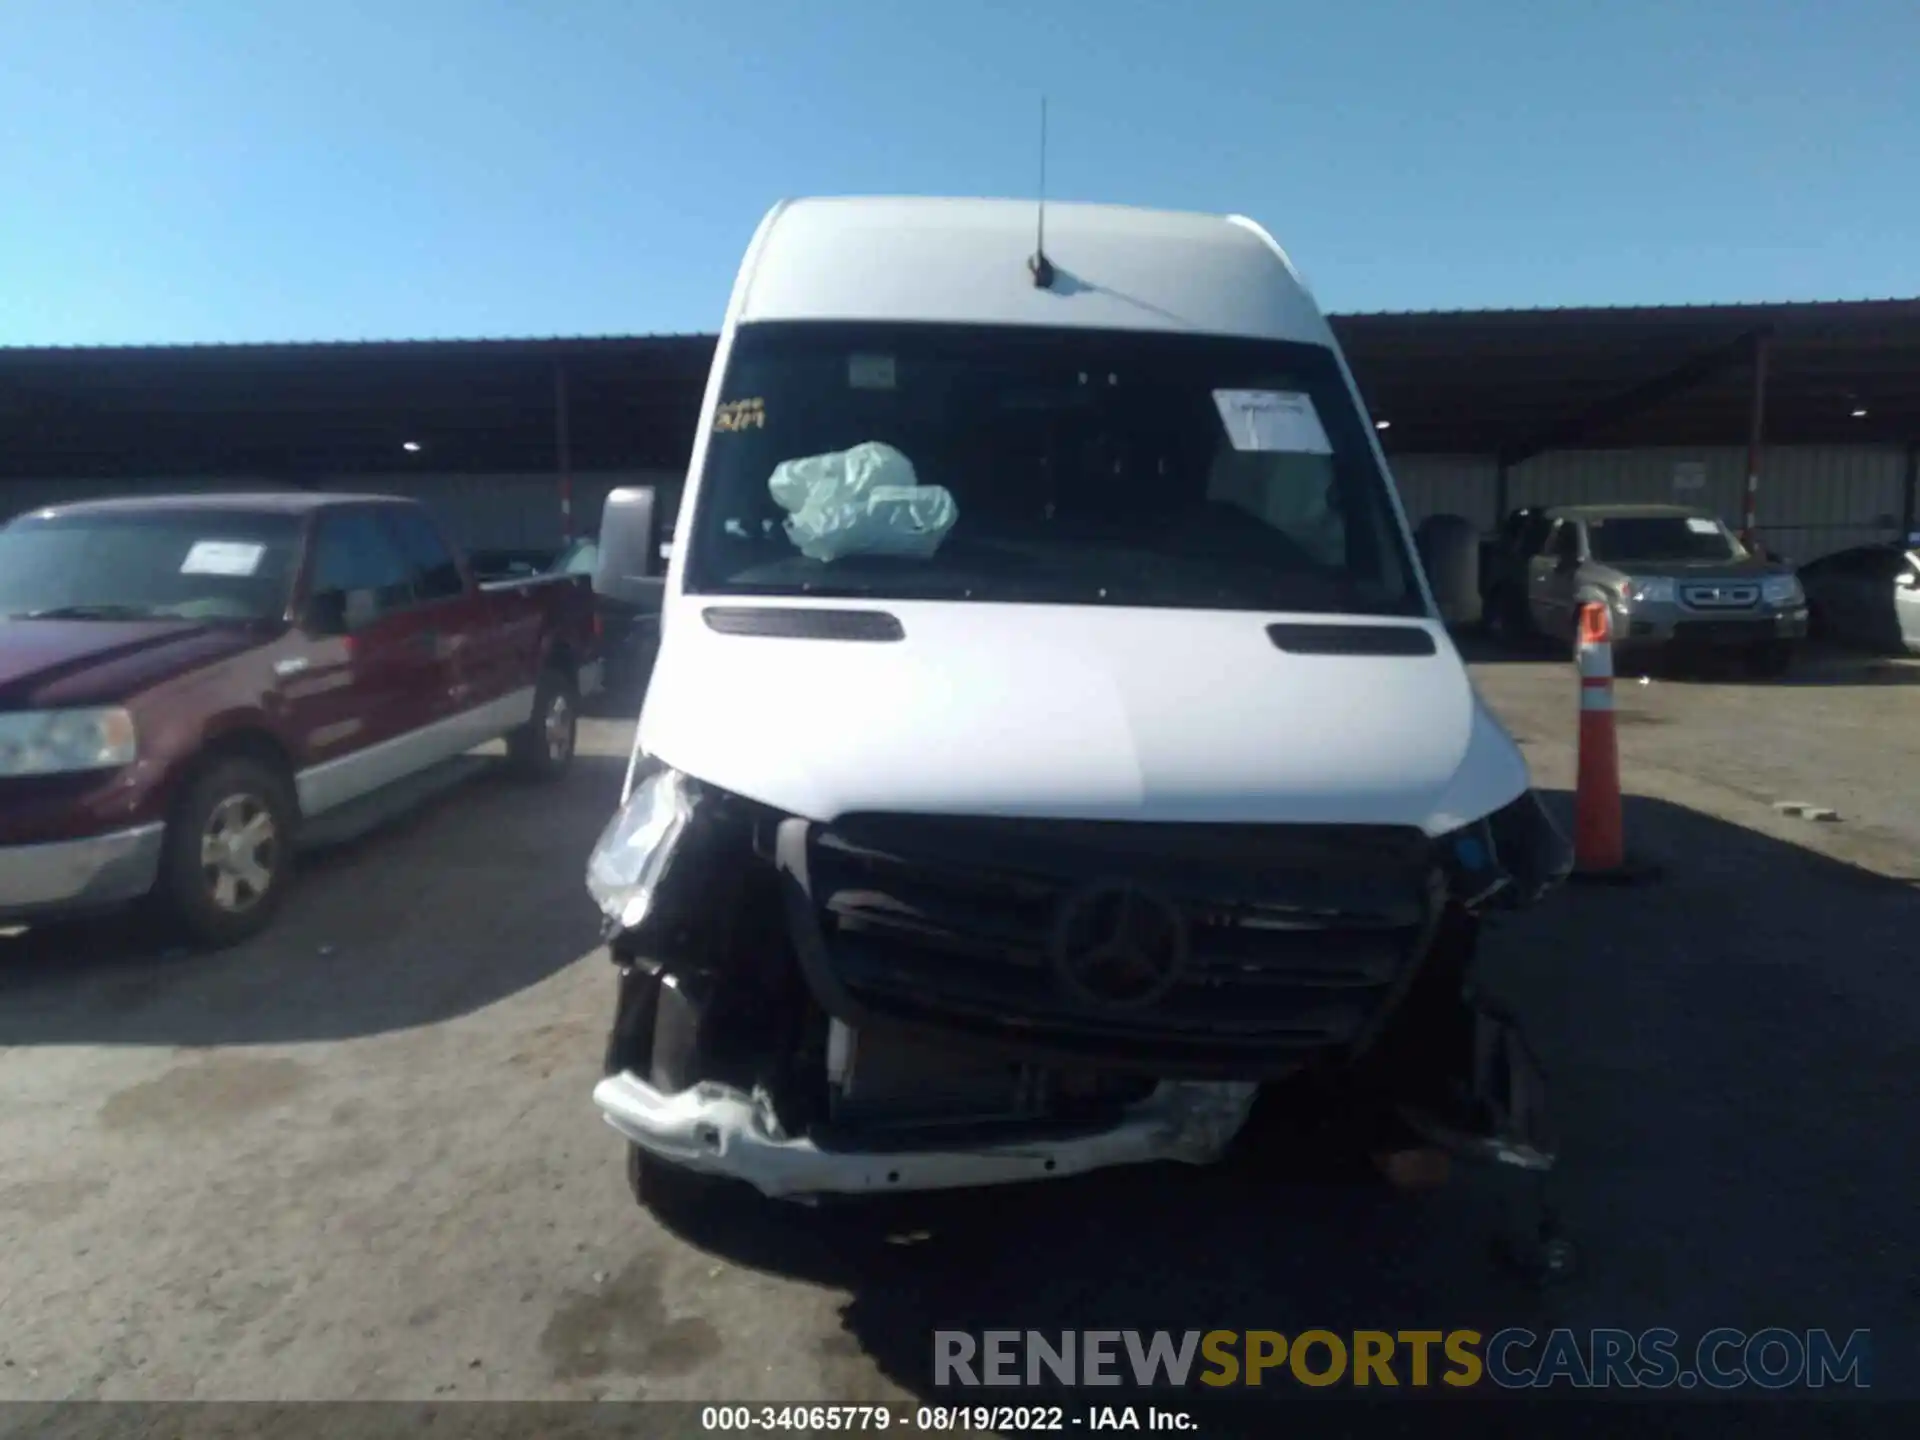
{"x":1702,"y":527}
{"x":1272,"y":420}
{"x":222,"y":557}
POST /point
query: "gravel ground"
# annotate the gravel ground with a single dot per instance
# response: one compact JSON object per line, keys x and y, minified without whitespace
{"x":356,"y":1159}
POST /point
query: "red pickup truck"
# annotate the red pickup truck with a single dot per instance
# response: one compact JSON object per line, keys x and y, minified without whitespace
{"x":187,"y":681}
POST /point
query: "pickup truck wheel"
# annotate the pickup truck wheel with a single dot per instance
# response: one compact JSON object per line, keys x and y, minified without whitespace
{"x":542,"y":749}
{"x":228,"y":852}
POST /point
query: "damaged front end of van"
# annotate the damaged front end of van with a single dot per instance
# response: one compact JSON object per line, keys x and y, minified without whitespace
{"x":914,"y":1002}
{"x":1055,"y":745}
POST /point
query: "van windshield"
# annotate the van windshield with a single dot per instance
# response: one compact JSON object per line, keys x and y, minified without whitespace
{"x":1047,"y":466}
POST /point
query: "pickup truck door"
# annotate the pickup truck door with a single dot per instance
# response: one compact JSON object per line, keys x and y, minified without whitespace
{"x":490,"y":636}
{"x":367,"y":687}
{"x":462,"y":620}
{"x":1550,"y":579}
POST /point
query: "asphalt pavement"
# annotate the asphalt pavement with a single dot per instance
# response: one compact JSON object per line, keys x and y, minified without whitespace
{"x":357,"y":1159}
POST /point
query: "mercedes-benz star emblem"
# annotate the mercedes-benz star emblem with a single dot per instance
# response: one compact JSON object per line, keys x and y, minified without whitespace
{"x":1118,"y":946}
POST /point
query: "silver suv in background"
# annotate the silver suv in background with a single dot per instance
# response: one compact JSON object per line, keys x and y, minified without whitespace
{"x":1673,"y":576}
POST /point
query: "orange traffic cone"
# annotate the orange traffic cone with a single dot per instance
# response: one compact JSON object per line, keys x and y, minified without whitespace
{"x":1599,"y":833}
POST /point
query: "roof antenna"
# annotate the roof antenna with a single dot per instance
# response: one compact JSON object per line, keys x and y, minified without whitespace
{"x":1042,"y":267}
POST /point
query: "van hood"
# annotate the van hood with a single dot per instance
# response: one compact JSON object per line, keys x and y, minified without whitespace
{"x":47,"y":663}
{"x":1078,"y":713}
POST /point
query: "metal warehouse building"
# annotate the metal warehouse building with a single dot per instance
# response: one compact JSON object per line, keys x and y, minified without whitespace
{"x":1800,"y":420}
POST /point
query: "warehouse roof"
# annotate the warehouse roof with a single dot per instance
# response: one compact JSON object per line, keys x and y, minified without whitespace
{"x":1481,"y":382}
{"x":1514,"y":380}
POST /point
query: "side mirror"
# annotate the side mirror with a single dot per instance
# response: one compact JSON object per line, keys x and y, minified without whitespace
{"x":1907,"y":580}
{"x":1449,"y":547}
{"x":326,"y":613}
{"x":629,"y":567}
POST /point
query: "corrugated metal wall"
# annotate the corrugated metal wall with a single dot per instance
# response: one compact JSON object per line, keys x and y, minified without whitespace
{"x":1447,"y":485}
{"x":1813,"y":499}
{"x":482,"y":511}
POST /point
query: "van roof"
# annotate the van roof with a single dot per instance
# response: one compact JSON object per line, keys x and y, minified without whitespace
{"x":965,"y":262}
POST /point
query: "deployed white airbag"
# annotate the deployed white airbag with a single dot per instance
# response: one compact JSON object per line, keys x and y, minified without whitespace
{"x":863,"y":501}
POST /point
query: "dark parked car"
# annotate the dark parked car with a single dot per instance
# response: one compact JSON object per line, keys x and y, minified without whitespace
{"x":1867,"y":597}
{"x":186,"y":681}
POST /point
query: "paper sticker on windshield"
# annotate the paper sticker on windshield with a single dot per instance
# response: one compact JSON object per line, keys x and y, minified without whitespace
{"x":741,"y":415}
{"x":222,"y":557}
{"x":1702,"y":527}
{"x":1272,"y":420}
{"x":870,"y":372}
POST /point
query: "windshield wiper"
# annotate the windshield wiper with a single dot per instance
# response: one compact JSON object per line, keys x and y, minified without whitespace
{"x":90,"y":612}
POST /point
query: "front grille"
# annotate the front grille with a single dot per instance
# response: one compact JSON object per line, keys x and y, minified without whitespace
{"x":1296,"y":936}
{"x":1722,"y":596}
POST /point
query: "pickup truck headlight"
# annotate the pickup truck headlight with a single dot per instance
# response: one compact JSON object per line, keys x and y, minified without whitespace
{"x":633,"y":851}
{"x":1650,"y":592}
{"x":63,"y":742}
{"x":1781,"y":590}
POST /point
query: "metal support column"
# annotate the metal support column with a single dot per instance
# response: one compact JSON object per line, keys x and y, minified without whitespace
{"x":1756,"y":438}
{"x":563,"y":451}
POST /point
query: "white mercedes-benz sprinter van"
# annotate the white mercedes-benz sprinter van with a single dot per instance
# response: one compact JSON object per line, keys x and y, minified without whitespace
{"x":1054,"y":739}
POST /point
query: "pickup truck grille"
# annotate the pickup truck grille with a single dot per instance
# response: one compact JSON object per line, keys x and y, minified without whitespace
{"x":1292,"y":940}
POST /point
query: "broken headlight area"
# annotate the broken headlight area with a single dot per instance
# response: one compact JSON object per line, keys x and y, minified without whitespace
{"x":633,"y":852}
{"x":1507,"y":860}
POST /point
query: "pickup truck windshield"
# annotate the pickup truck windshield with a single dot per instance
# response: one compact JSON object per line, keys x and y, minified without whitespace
{"x":1641,"y":538}
{"x":188,"y":564}
{"x":1051,"y":466}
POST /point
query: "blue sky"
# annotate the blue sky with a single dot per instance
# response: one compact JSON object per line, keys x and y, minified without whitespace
{"x":213,"y":170}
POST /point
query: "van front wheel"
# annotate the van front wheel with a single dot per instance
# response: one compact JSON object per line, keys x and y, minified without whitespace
{"x":668,"y":1190}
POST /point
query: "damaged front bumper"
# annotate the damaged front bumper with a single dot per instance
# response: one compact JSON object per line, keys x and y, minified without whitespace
{"x":1493,"y":1110}
{"x":718,"y":1130}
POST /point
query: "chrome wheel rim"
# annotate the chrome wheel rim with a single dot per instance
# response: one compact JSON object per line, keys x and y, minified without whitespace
{"x":559,"y":729}
{"x":239,"y":852}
